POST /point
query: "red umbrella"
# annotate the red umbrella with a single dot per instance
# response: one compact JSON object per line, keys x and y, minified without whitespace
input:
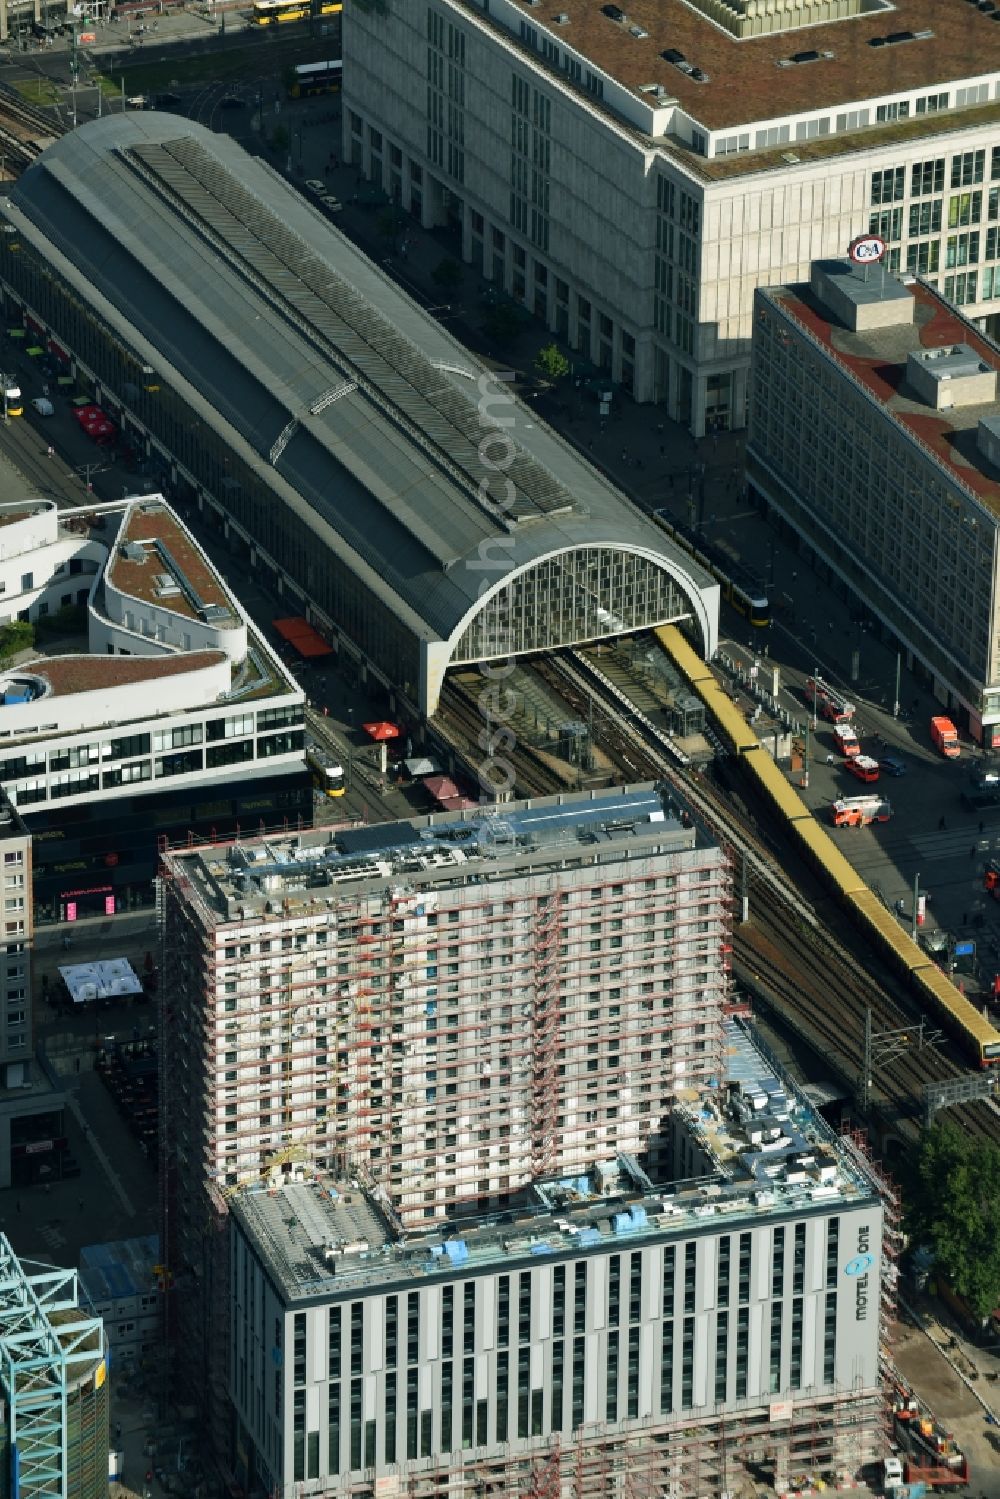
{"x":380,"y":731}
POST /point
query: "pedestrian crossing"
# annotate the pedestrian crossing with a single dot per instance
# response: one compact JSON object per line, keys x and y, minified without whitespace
{"x":956,"y":843}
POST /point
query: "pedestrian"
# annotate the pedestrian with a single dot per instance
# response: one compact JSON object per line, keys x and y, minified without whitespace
{"x":941,"y":825}
{"x":624,"y":455}
{"x":51,"y":451}
{"x":830,"y":760}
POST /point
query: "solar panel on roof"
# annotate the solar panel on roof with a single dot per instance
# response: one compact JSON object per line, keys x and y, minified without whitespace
{"x":375,"y":839}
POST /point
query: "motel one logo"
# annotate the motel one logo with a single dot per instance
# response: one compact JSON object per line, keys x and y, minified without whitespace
{"x":859,"y":1269}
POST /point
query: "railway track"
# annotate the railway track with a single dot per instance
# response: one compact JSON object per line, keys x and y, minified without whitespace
{"x":819,"y":969}
{"x":25,"y":130}
{"x":460,"y":721}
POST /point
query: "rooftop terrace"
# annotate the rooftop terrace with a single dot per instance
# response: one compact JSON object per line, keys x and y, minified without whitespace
{"x":156,"y":560}
{"x":308,"y":867}
{"x":774,"y":1155}
{"x":730,"y":63}
{"x":887,"y":360}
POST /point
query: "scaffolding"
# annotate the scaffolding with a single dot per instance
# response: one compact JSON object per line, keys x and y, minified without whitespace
{"x":313,"y":1029}
{"x":50,"y":1354}
{"x":676,"y":1458}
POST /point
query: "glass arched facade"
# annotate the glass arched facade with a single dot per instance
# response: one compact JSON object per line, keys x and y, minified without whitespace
{"x":575,"y":596}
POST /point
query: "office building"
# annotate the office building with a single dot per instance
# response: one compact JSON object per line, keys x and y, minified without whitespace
{"x":630,"y":173}
{"x":153,"y":692}
{"x":53,"y":1384}
{"x":455,"y":1006}
{"x":873,"y":436}
{"x":602,"y":1333}
{"x":349,"y":447}
{"x":32,"y":1128}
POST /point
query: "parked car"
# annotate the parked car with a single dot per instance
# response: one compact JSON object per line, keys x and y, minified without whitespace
{"x":892,"y":765}
{"x":330,"y":203}
{"x":42,"y":406}
{"x":314,"y":185}
{"x":167,"y":101}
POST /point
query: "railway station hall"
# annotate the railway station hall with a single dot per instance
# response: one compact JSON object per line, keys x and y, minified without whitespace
{"x":272,"y":377}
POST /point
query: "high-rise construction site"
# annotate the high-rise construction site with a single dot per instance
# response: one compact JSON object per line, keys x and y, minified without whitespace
{"x":499,"y":1033}
{"x":454,"y":1007}
{"x":607,"y":1336}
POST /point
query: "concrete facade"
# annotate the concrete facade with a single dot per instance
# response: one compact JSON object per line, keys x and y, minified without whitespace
{"x":635,"y":218}
{"x":600,"y":1322}
{"x":874,"y":446}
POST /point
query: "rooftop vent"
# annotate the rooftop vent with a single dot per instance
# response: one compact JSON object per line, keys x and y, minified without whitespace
{"x":895,"y":37}
{"x":638,"y":32}
{"x":801,"y":57}
{"x":134,"y":551}
{"x":613,"y":12}
{"x":166,"y":586}
{"x":562,"y":19}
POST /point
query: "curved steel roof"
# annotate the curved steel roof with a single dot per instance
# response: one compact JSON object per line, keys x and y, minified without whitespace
{"x":360,"y":410}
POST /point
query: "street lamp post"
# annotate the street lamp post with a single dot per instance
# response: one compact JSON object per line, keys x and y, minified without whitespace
{"x":899,"y":667}
{"x":815,"y":694}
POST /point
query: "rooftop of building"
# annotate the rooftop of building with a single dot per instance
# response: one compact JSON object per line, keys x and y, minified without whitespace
{"x":774,"y":1155}
{"x":362,"y":414}
{"x":9,"y":514}
{"x":120,"y":1269}
{"x":156,"y":560}
{"x":930,"y":335}
{"x":279,"y":876}
{"x":176,"y":575}
{"x":722,"y":74}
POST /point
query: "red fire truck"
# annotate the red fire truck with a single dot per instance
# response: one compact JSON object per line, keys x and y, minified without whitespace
{"x":828,"y":701}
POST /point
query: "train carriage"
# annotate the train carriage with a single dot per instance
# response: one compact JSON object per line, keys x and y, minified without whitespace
{"x":932,"y":988}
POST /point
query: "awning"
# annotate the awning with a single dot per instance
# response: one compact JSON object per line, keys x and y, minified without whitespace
{"x":442,"y":788}
{"x":104,"y":980}
{"x":302,"y":637}
{"x":380,"y":731}
{"x":421,"y":767}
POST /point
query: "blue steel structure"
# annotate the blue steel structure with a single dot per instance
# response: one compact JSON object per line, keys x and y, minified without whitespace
{"x":48,"y":1351}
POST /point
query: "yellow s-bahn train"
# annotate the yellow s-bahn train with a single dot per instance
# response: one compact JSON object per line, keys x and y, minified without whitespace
{"x":276,"y":12}
{"x":740,"y":591}
{"x":977,"y":1036}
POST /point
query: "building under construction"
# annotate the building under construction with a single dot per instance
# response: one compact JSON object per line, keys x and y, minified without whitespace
{"x":455,"y":1007}
{"x":602,"y":1336}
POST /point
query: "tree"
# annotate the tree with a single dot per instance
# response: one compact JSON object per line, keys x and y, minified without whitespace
{"x":501,"y":323}
{"x":15,"y":637}
{"x":447,"y":274}
{"x":552,"y":363}
{"x":955,"y":1212}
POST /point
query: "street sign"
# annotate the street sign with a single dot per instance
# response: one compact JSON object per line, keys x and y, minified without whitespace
{"x":965,"y":949}
{"x":87,"y":38}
